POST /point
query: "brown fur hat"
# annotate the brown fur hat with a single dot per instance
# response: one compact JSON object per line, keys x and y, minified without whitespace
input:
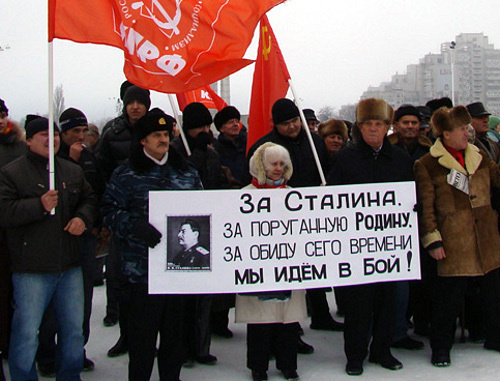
{"x":333,"y":126}
{"x":446,"y":119}
{"x":376,"y":109}
{"x":257,"y":161}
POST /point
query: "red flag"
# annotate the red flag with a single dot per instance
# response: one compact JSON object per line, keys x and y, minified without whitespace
{"x":169,"y":45}
{"x":205,"y":95}
{"x":270,"y":83}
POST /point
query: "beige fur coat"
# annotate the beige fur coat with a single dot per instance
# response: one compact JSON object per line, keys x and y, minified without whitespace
{"x":465,"y":223}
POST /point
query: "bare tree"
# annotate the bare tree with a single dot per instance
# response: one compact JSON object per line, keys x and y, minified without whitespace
{"x":325,"y":113}
{"x":58,"y":102}
{"x":348,"y":112}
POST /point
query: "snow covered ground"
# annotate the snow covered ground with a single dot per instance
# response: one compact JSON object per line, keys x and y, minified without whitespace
{"x":469,"y":361}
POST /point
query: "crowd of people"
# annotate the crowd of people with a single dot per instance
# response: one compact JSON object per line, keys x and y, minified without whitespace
{"x":53,"y":236}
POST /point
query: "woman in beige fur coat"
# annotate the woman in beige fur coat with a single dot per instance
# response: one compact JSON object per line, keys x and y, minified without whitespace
{"x":271,"y":316}
{"x":458,"y":227}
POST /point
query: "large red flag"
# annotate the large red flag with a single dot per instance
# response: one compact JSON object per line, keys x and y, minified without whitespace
{"x":169,"y":45}
{"x":270,"y":83}
{"x":205,"y":95}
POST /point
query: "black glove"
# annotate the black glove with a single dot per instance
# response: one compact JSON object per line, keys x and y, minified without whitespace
{"x":147,"y":233}
{"x":418,"y":207}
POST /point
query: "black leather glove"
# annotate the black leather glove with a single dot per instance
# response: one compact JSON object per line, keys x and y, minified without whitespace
{"x":147,"y":233}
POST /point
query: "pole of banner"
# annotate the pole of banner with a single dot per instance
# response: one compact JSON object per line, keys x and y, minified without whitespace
{"x":52,"y":183}
{"x":308,"y":133}
{"x":179,"y":124}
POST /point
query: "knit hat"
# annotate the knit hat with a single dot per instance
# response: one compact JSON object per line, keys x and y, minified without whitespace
{"x":3,"y":107}
{"x":195,"y":115}
{"x":477,"y":110}
{"x":135,"y":93}
{"x":374,"y":109}
{"x":224,"y":115}
{"x":154,"y":120}
{"x":72,"y":118}
{"x":405,"y":110}
{"x":309,"y":114}
{"x":494,"y":121}
{"x":38,"y":124}
{"x":333,"y":126}
{"x":284,"y":109}
{"x":446,"y":119}
{"x":125,"y":85}
{"x":435,"y":104}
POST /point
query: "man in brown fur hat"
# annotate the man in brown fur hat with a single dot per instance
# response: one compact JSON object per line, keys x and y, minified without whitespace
{"x":459,"y":229}
{"x":371,"y":159}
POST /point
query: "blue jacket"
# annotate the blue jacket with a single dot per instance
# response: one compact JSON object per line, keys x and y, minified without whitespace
{"x":125,"y":202}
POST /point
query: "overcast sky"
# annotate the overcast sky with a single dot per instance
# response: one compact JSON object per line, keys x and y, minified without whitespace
{"x":333,"y":49}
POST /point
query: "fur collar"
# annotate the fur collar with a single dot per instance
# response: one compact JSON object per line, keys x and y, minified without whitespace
{"x":472,"y":158}
{"x":422,"y":140}
{"x":17,"y":133}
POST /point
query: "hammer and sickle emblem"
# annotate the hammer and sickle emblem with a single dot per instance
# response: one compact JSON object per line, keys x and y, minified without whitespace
{"x":169,"y":23}
{"x":266,"y":49}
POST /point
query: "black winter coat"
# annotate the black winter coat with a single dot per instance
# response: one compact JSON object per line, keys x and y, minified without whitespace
{"x":360,"y":164}
{"x":232,"y":154}
{"x":37,"y":241}
{"x":206,"y":162}
{"x":88,"y":163}
{"x":114,"y":146}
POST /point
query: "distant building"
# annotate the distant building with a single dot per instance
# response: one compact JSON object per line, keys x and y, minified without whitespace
{"x":476,"y":76}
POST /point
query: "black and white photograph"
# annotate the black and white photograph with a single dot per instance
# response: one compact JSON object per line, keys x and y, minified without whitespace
{"x":188,"y":245}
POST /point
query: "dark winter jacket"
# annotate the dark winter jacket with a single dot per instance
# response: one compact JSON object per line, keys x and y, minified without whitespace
{"x":113,"y":148}
{"x":305,"y":171}
{"x":125,"y":202}
{"x":232,"y":154}
{"x":37,"y":241}
{"x":419,"y":149}
{"x":12,"y":145}
{"x":88,"y":163}
{"x":206,"y":162}
{"x":360,"y":164}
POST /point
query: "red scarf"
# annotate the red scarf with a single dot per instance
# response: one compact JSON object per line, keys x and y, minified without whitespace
{"x":256,"y":184}
{"x":457,"y":155}
{"x":8,"y":129}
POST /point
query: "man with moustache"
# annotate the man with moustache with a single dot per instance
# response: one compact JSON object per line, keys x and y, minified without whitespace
{"x":153,"y":166}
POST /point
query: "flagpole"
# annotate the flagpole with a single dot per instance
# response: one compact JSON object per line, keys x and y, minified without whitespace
{"x":308,"y":133}
{"x":52,"y":184}
{"x":178,"y":119}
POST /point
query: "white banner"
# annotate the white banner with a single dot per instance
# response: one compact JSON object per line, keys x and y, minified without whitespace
{"x":229,"y":241}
